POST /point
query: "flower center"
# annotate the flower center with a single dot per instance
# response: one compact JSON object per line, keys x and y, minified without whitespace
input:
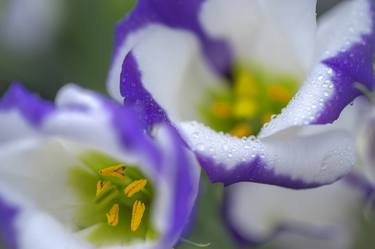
{"x":246,"y":104}
{"x":116,"y":200}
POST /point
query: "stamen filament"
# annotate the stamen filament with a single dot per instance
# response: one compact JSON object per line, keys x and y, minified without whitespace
{"x":113,"y":215}
{"x":116,"y":171}
{"x":135,"y":187}
{"x":137,"y":215}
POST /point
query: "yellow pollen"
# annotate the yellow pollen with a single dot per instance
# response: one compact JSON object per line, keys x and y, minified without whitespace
{"x":137,"y":215}
{"x":245,"y":85}
{"x":279,"y":93}
{"x":116,"y":171}
{"x":221,"y":109}
{"x":102,"y":186}
{"x":241,"y":130}
{"x":244,"y":108}
{"x":135,"y":187}
{"x":113,"y":215}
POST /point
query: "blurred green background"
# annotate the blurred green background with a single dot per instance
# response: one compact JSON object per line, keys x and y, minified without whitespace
{"x":80,"y":52}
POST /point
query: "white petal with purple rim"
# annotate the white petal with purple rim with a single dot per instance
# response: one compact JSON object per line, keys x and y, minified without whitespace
{"x":324,"y":83}
{"x":286,"y":154}
{"x":173,"y":70}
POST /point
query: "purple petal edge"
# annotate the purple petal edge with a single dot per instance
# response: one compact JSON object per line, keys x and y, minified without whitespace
{"x":32,"y":107}
{"x":186,"y":189}
{"x":175,"y":14}
{"x":254,"y":171}
{"x":137,"y":96}
{"x":7,"y":230}
{"x":349,"y":67}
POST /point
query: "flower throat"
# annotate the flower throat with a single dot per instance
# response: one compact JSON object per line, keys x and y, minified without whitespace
{"x":116,"y":200}
{"x":252,"y":99}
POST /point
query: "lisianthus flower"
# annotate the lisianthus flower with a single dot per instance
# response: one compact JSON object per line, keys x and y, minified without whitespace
{"x":218,"y":70}
{"x":326,"y":217}
{"x":81,"y":173}
{"x":29,"y":25}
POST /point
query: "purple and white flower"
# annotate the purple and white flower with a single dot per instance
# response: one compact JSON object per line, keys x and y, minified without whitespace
{"x":172,"y":56}
{"x":81,"y":173}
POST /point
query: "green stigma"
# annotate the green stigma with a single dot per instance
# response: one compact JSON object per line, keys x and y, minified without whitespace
{"x":116,"y":200}
{"x":246,"y":104}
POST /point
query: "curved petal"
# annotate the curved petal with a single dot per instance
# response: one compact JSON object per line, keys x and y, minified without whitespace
{"x":312,"y":214}
{"x":285,"y":159}
{"x":30,"y":106}
{"x":179,"y":15}
{"x":80,"y":121}
{"x":164,"y":68}
{"x":345,"y":57}
{"x":24,"y":227}
{"x":186,"y":179}
{"x":279,"y":35}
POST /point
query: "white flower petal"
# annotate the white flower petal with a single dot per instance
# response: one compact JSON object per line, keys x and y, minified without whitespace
{"x":172,"y":70}
{"x":279,"y":35}
{"x":259,"y":211}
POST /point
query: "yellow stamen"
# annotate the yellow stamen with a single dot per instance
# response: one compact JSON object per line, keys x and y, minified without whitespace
{"x":116,"y":171}
{"x":245,"y":85}
{"x":221,"y":109}
{"x":135,"y":187}
{"x":241,"y":130}
{"x":137,"y":215}
{"x":102,"y":186}
{"x":244,"y":108}
{"x":279,"y":93}
{"x":113,"y":215}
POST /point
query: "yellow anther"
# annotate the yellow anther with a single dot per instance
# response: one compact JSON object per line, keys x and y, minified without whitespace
{"x":241,"y":130}
{"x":102,"y":186}
{"x":244,"y":108}
{"x":245,"y":85}
{"x":221,"y":109}
{"x":279,"y":93}
{"x":117,"y":171}
{"x":113,"y":215}
{"x":137,"y":215}
{"x":135,"y":187}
